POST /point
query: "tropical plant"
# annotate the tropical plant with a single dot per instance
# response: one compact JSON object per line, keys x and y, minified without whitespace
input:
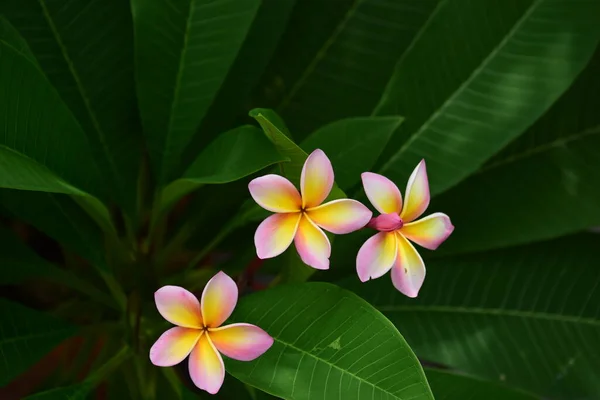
{"x":130,"y":131}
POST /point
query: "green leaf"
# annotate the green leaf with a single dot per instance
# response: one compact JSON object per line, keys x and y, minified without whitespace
{"x":81,"y":390}
{"x":353,"y":145}
{"x":89,"y":61}
{"x":338,"y":65}
{"x":42,"y":147}
{"x":25,"y":336}
{"x":546,"y":180}
{"x":231,"y":103}
{"x":184,"y":50}
{"x":231,"y":156}
{"x":277,"y":132}
{"x":527,"y":316}
{"x":74,"y":392}
{"x":328,"y":344}
{"x":462,"y":105}
{"x":19,"y":263}
{"x":447,"y":385}
{"x":59,"y":217}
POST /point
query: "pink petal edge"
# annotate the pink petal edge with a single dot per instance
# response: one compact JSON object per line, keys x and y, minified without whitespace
{"x":218,"y":299}
{"x":316,"y":179}
{"x":376,"y":256}
{"x":382,"y":193}
{"x":178,"y":306}
{"x":241,"y":341}
{"x":340,"y":216}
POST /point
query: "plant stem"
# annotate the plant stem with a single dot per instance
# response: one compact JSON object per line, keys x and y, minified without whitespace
{"x":115,"y":289}
{"x":226,"y":230}
{"x":116,"y":360}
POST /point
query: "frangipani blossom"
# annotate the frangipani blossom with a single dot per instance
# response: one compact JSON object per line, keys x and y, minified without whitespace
{"x":200,"y":335}
{"x":299,"y":218}
{"x":391,"y":247}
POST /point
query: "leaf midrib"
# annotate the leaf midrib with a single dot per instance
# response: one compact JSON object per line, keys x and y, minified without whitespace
{"x":59,"y":180}
{"x":101,"y":135}
{"x":319,"y":56}
{"x":25,"y":338}
{"x":390,"y":84}
{"x":499,"y":312}
{"x":463,"y":86}
{"x":331,"y":365}
{"x":174,"y":102}
{"x":543,"y":148}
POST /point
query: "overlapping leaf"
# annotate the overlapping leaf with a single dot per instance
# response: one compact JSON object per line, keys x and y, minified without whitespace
{"x":85,"y":48}
{"x":230,"y":106}
{"x":544,"y":185}
{"x":25,"y":336}
{"x":353,"y":145}
{"x":74,"y":392}
{"x":478,"y":74}
{"x":447,"y":385}
{"x":19,"y":264}
{"x":59,"y":217}
{"x":337,"y":65}
{"x":184,"y":50}
{"x":328,"y":344}
{"x":527,"y":317}
{"x":42,"y":147}
{"x":231,"y":156}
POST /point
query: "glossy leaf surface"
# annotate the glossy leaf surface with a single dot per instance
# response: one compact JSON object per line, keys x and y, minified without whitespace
{"x":328,"y":344}
{"x":527,"y":316}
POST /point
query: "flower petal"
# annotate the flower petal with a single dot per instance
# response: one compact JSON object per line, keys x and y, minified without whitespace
{"x":386,"y":222}
{"x":340,"y":216}
{"x":173,"y":346}
{"x":312,"y":244}
{"x":178,"y":306}
{"x":430,"y":231}
{"x":243,"y":342}
{"x":376,"y":256}
{"x":275,"y":234}
{"x":382,"y":193}
{"x":408,"y":273}
{"x":206,"y":366}
{"x":316,"y":180}
{"x":218,"y":299}
{"x":417,"y":194}
{"x":275,"y":193}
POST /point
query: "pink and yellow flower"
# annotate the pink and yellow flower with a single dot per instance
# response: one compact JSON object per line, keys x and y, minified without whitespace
{"x":300,"y":217}
{"x":200,"y":335}
{"x":391,"y":247}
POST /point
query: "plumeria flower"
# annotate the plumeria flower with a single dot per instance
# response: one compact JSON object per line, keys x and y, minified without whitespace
{"x":200,"y":335}
{"x":299,"y":218}
{"x":391,"y":248}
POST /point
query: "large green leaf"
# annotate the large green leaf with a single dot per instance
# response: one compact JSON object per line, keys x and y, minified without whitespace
{"x":337,"y":65}
{"x":547,"y":180}
{"x":42,"y":147}
{"x":328,"y":344}
{"x":184,"y":50}
{"x":85,"y":48}
{"x":447,"y":385}
{"x":231,"y":156}
{"x":25,"y":336}
{"x":230,"y":107}
{"x":478,"y":75}
{"x":527,"y":316}
{"x":353,"y":145}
